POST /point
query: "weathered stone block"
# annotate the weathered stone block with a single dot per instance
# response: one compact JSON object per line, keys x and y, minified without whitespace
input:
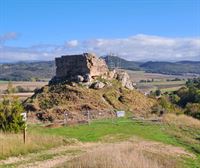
{"x":70,"y":66}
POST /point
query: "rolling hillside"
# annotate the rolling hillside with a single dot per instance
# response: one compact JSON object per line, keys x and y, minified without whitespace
{"x":27,"y":71}
{"x":176,"y":68}
{"x":117,"y":62}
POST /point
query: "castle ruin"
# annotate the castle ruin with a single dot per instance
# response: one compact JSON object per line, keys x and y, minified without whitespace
{"x":71,"y":66}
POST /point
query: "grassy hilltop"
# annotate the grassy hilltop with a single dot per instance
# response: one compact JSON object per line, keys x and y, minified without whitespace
{"x":75,"y":98}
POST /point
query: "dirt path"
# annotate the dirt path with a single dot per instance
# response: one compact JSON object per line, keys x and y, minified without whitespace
{"x":56,"y":156}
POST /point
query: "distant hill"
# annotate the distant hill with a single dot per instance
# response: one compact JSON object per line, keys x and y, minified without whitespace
{"x":176,"y":68}
{"x":172,"y":68}
{"x":26,"y":71}
{"x":117,"y":62}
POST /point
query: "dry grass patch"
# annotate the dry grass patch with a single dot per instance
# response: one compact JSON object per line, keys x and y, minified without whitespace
{"x":181,"y":120}
{"x":12,"y":144}
{"x":120,"y":155}
{"x":186,"y":130}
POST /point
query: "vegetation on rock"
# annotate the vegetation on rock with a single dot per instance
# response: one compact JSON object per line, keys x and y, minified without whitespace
{"x":54,"y":100}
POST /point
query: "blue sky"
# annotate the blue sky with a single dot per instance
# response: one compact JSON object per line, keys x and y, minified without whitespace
{"x":40,"y":28}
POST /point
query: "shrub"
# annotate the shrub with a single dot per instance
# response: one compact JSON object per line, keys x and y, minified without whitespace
{"x":193,"y":109}
{"x":158,"y":92}
{"x":174,"y":98}
{"x":158,"y":109}
{"x":10,"y":115}
{"x":164,"y":102}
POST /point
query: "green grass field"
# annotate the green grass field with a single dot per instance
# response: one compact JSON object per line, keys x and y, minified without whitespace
{"x":2,"y":82}
{"x":123,"y":129}
{"x":170,"y":89}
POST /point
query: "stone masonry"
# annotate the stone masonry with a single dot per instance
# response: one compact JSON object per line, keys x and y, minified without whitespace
{"x":71,"y":66}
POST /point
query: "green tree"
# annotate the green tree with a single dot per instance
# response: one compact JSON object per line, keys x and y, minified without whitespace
{"x":158,"y":92}
{"x":188,"y":95}
{"x":174,"y":98}
{"x":10,"y":114}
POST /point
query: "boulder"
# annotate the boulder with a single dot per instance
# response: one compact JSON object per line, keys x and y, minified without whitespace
{"x":129,"y":85}
{"x":112,"y":74}
{"x":124,"y":78}
{"x":97,"y":85}
{"x":87,"y":78}
{"x":79,"y":78}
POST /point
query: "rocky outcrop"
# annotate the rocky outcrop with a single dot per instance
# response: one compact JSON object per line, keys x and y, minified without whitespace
{"x":87,"y":68}
{"x":124,"y":78}
{"x":83,"y":82}
{"x":112,"y":74}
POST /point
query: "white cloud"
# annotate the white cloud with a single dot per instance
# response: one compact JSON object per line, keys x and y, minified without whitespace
{"x":138,"y":47}
{"x":153,"y":40}
{"x":72,"y":43}
{"x":8,"y":36}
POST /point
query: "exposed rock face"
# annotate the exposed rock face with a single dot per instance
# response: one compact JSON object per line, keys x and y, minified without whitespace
{"x":86,"y":68}
{"x":86,"y":64}
{"x":112,"y":74}
{"x":124,"y":78}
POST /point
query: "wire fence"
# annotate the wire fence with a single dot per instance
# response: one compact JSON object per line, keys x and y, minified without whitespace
{"x":67,"y":117}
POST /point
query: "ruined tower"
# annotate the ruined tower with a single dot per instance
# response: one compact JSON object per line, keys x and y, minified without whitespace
{"x":70,"y":66}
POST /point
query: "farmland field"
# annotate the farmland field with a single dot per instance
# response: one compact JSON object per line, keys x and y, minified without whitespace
{"x":164,"y":86}
{"x":3,"y":82}
{"x":157,"y":81}
{"x":29,"y":86}
{"x":137,"y":76}
{"x":146,"y":82}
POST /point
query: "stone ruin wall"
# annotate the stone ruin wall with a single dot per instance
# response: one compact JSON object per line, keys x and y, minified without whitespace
{"x":73,"y":65}
{"x":97,"y":66}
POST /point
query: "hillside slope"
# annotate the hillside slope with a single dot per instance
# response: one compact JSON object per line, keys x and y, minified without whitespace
{"x":117,"y":62}
{"x":52,"y":101}
{"x":26,"y":71}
